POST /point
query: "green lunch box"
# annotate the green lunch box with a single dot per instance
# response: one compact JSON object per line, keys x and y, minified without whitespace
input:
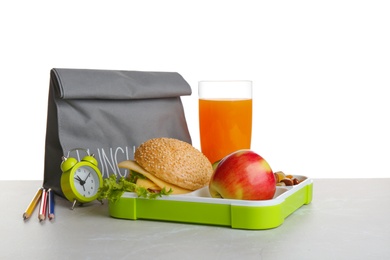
{"x":199,"y":207}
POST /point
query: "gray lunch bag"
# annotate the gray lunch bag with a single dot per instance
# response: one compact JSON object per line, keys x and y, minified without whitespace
{"x":110,"y":113}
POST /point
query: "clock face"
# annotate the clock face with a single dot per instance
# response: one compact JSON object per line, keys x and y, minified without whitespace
{"x":86,"y":181}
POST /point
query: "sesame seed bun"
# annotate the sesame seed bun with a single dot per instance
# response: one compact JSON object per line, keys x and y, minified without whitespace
{"x":174,"y":161}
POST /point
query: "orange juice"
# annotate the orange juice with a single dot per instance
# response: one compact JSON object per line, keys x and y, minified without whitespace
{"x":225,"y":126}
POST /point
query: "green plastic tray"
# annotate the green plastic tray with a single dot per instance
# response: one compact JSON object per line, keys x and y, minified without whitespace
{"x":199,"y":208}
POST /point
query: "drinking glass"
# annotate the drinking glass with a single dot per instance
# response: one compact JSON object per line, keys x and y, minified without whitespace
{"x":225,"y":117}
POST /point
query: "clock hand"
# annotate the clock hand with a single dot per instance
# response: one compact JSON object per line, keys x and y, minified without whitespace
{"x":85,"y":180}
{"x":82,"y":182}
{"x":77,"y":178}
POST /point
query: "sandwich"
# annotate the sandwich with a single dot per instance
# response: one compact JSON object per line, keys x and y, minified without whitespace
{"x":170,"y":164}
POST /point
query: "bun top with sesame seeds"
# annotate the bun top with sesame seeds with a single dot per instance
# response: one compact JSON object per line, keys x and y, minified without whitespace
{"x":175,"y":162}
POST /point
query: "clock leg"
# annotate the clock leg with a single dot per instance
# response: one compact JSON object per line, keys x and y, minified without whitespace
{"x":74,"y":204}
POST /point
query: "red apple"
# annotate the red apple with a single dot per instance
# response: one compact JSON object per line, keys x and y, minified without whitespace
{"x":243,"y":175}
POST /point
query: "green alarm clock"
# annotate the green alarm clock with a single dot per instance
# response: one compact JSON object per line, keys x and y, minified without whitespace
{"x":80,"y":180}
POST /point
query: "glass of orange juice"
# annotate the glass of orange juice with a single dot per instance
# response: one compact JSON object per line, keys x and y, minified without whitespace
{"x":225,"y":117}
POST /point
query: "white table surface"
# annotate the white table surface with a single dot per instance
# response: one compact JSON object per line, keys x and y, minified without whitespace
{"x":347,"y":219}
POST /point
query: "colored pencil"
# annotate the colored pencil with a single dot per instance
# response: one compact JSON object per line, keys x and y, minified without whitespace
{"x":43,"y":206}
{"x":33,"y":204}
{"x":51,"y":204}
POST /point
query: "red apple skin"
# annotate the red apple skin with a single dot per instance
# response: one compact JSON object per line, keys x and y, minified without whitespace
{"x":243,"y":175}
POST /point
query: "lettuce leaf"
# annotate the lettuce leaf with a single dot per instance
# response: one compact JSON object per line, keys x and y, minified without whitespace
{"x":113,"y":189}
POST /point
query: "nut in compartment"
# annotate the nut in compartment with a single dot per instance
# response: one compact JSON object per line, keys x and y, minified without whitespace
{"x":285,"y":180}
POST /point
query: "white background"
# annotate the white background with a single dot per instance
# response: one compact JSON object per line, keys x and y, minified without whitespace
{"x":320,"y":71}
